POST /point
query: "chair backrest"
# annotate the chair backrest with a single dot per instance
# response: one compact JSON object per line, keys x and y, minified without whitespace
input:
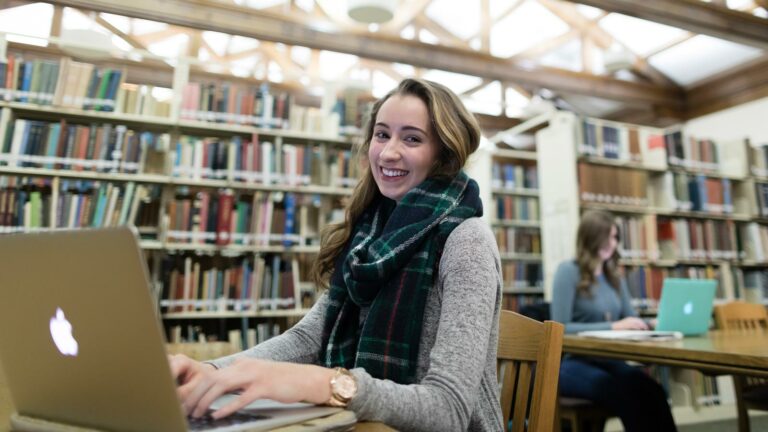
{"x":741,"y":316}
{"x":529,"y":367}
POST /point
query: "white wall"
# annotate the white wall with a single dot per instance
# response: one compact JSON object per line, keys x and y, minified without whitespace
{"x":749,"y":120}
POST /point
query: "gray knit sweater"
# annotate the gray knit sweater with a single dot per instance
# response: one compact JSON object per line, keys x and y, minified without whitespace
{"x":456,"y":387}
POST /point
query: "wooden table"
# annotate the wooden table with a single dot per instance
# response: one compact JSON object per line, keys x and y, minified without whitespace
{"x":732,"y":352}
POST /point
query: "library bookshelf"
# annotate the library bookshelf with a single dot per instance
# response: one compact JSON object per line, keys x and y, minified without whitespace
{"x":686,"y":207}
{"x":229,"y":184}
{"x":515,"y":223}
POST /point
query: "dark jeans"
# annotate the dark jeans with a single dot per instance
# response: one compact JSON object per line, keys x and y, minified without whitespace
{"x":626,"y":391}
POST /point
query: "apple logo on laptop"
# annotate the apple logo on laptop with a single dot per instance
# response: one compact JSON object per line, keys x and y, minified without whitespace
{"x":61,"y":332}
{"x":688,"y":308}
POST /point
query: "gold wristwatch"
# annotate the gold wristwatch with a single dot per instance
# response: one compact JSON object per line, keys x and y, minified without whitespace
{"x":343,"y":388}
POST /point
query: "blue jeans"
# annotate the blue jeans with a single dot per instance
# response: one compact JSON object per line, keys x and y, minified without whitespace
{"x":624,"y":390}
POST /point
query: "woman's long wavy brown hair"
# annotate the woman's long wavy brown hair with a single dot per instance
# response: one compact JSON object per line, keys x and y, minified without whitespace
{"x":457,"y":134}
{"x":594,"y":231}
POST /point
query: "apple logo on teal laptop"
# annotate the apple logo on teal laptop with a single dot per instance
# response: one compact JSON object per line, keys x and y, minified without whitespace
{"x":688,"y":308}
{"x":61,"y":332}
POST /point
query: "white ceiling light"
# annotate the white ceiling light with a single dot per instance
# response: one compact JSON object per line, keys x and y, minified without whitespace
{"x":617,"y":59}
{"x":371,"y":11}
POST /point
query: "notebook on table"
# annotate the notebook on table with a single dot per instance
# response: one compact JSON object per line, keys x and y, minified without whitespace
{"x":80,"y":342}
{"x":685,"y":309}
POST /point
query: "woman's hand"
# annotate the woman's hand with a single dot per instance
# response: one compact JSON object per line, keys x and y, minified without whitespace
{"x":257,"y":379}
{"x":192,"y":377}
{"x":629,"y":323}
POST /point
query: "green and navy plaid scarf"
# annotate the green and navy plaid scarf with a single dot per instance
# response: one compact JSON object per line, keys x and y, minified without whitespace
{"x":390,"y":265}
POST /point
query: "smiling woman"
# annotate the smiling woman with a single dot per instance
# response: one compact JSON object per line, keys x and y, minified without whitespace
{"x":406,"y":333}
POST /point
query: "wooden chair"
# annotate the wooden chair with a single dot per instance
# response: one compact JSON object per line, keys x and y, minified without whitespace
{"x":751,"y":393}
{"x":581,"y":414}
{"x":529,"y":367}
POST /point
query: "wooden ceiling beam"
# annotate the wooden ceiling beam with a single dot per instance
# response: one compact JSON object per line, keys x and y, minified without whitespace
{"x":119,"y":33}
{"x":247,"y":22}
{"x":57,"y":20}
{"x":734,"y":87}
{"x":693,"y":15}
{"x":7,"y":4}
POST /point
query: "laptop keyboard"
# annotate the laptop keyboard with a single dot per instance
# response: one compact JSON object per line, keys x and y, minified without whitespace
{"x":206,"y":422}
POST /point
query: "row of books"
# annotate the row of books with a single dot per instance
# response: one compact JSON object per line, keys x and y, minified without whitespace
{"x":140,"y":100}
{"x":517,"y":208}
{"x":239,"y":339}
{"x":235,"y":104}
{"x":754,"y":239}
{"x":514,"y":176}
{"x":645,"y":283}
{"x":262,"y":107}
{"x":523,"y":275}
{"x":637,"y":237}
{"x":101,"y":148}
{"x":612,"y":185}
{"x":615,"y":141}
{"x":516,"y":301}
{"x":692,"y":192}
{"x":518,"y":240}
{"x":690,"y":152}
{"x":32,"y":204}
{"x":202,"y":283}
{"x":261,"y":219}
{"x":66,"y":83}
{"x":697,"y":239}
{"x":761,"y":194}
{"x":759,"y":160}
{"x":252,"y":161}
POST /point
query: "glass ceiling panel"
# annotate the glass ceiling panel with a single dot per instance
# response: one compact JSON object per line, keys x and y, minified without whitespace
{"x":531,"y":24}
{"x":497,"y":7}
{"x":301,"y":55}
{"x":445,"y":13}
{"x":487,"y":100}
{"x":240,"y":43}
{"x":589,"y":11}
{"x":515,"y":102}
{"x":18,"y":19}
{"x":170,"y":47}
{"x":459,"y":83}
{"x":566,"y":56}
{"x":218,"y":42}
{"x":641,"y":36}
{"x":700,"y":57}
{"x":332,"y":64}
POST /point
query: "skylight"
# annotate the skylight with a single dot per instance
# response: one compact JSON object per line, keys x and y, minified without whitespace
{"x":462,"y":21}
{"x":641,"y":36}
{"x":531,"y":24}
{"x":16,"y":20}
{"x":700,"y":57}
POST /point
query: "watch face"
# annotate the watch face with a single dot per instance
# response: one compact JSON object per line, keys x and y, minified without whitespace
{"x":345,"y":387}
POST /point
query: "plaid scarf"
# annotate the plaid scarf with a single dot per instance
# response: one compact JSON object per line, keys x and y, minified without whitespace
{"x":390,"y":265}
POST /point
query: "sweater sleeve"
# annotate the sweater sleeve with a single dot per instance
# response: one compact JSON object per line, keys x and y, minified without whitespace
{"x":444,"y":400}
{"x":626,"y":301}
{"x":564,"y":297}
{"x":299,"y":344}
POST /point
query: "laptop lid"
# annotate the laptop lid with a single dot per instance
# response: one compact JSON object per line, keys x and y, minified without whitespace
{"x":686,"y":305}
{"x":79,"y":340}
{"x":80,"y":343}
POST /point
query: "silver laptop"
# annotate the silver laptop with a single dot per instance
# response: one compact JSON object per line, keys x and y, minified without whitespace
{"x":80,"y":342}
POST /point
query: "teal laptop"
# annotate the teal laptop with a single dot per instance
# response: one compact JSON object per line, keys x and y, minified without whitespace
{"x":686,"y":305}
